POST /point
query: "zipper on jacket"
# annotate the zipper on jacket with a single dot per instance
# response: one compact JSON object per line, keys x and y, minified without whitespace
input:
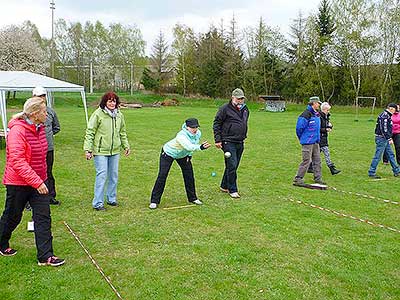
{"x":113,"y":123}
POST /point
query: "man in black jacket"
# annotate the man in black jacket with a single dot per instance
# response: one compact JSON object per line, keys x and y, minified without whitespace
{"x":230,"y":131}
{"x":383,"y":140}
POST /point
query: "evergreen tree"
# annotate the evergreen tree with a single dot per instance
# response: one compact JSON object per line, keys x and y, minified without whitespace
{"x":210,"y":63}
{"x":325,"y":23}
{"x":160,"y":61}
{"x":233,"y":67}
{"x":148,"y":80}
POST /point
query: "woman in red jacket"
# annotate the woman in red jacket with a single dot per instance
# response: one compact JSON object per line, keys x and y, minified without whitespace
{"x":24,"y":177}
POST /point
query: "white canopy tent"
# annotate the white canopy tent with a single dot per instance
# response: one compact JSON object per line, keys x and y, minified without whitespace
{"x":12,"y":81}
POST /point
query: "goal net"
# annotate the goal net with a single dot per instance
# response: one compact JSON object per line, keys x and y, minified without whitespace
{"x":365,"y":105}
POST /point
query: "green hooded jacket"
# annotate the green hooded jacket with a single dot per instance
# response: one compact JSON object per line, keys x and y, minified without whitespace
{"x":106,"y":135}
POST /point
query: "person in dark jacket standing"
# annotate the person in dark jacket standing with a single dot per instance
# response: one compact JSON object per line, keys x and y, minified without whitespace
{"x":308,"y":132}
{"x":326,"y":127}
{"x":383,"y":140}
{"x":230,"y":131}
{"x":52,"y":127}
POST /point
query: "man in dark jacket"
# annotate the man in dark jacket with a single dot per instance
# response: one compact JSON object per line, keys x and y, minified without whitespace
{"x":230,"y":131}
{"x":308,"y":132}
{"x":383,"y":140}
{"x":52,"y":128}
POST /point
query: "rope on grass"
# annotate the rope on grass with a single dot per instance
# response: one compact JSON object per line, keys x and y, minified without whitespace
{"x":93,"y":261}
{"x":340,"y":214}
{"x":365,"y":196}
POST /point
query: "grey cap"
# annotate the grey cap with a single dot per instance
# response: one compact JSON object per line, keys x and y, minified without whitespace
{"x":314,"y":99}
{"x":238,"y":93}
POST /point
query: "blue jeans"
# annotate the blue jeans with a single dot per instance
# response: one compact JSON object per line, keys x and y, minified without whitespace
{"x":106,"y":168}
{"x":382,"y":145}
{"x":229,"y":180}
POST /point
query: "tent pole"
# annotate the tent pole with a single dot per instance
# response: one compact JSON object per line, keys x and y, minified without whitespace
{"x":3,"y":111}
{"x":85,"y":106}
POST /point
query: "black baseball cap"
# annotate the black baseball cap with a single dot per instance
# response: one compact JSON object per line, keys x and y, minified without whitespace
{"x":192,"y":123}
{"x":393,"y":105}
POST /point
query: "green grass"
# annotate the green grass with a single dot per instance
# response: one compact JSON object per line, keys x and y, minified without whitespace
{"x":258,"y":247}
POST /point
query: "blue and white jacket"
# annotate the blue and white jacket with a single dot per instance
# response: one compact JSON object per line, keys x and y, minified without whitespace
{"x":308,"y":127}
{"x":384,"y":125}
{"x":184,"y":144}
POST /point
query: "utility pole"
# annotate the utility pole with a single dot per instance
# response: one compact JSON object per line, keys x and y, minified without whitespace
{"x":131,"y":78}
{"x":91,"y":77}
{"x":52,"y":7}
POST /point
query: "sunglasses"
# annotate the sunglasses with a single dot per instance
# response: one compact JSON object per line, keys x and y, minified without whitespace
{"x":112,"y":100}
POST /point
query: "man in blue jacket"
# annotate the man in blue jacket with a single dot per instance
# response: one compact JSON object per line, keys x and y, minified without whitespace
{"x":383,"y":140}
{"x":308,"y":132}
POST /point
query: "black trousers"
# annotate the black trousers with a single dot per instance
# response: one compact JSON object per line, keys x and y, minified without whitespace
{"x":229,"y":180}
{"x":16,"y":199}
{"x":188,"y":177}
{"x":51,"y":183}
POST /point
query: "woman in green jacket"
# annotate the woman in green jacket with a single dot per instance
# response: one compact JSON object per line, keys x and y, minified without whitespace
{"x":104,"y":140}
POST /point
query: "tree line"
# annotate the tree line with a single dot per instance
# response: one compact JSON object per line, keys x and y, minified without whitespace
{"x":348,"y":48}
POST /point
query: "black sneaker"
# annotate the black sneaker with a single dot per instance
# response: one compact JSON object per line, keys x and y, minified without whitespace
{"x":101,"y":208}
{"x":112,"y":203}
{"x":8,"y":252}
{"x":53,"y":201}
{"x":52,"y":261}
{"x":374,"y":176}
{"x":396,"y":174}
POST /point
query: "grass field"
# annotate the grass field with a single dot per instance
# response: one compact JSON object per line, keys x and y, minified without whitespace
{"x":261,"y":246}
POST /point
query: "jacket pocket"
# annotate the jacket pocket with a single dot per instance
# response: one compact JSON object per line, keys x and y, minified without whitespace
{"x":101,"y":138}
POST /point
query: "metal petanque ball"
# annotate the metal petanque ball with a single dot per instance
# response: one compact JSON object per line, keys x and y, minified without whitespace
{"x":227,"y":154}
{"x":213,"y":174}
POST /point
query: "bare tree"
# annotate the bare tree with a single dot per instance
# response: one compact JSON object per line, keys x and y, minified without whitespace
{"x":356,"y":42}
{"x":389,"y":33}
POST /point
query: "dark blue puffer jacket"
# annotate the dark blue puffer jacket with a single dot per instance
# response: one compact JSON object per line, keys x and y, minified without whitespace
{"x":308,"y":127}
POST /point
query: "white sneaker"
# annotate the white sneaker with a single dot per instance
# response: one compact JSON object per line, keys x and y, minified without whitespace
{"x":153,"y":205}
{"x":234,"y":195}
{"x":31,"y":226}
{"x":198,"y":202}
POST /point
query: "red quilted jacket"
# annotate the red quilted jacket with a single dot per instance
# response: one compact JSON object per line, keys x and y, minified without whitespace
{"x":26,"y":154}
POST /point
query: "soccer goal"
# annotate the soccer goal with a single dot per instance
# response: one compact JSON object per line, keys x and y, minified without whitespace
{"x":366,"y":104}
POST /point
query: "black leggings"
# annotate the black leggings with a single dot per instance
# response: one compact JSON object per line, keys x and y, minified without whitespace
{"x":185,"y":164}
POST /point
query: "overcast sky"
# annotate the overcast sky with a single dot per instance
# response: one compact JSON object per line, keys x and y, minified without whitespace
{"x":153,"y":16}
